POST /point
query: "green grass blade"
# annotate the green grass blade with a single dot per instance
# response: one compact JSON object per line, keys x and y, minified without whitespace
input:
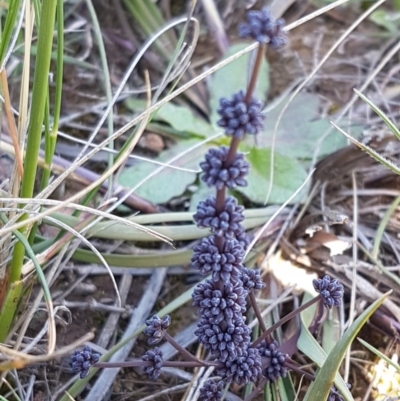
{"x":10,"y":305}
{"x":283,"y":390}
{"x":375,"y":155}
{"x":51,"y":135}
{"x":39,"y":272}
{"x":381,"y":229}
{"x":380,"y":113}
{"x":51,"y":139}
{"x":12,"y":14}
{"x":288,"y":386}
{"x":379,"y":353}
{"x":174,"y":258}
{"x":185,"y":232}
{"x":320,"y":388}
{"x":107,"y":82}
{"x":34,"y":134}
{"x":331,"y":331}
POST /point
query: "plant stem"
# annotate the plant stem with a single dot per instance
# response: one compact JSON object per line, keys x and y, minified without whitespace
{"x":254,"y":75}
{"x":39,"y":95}
{"x":257,"y":311}
{"x":300,"y":371}
{"x":317,"y":320}
{"x":184,"y":352}
{"x":166,"y":364}
{"x":51,"y":135}
{"x":285,"y":319}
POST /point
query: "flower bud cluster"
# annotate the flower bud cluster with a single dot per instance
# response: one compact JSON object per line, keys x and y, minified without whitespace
{"x":221,"y":300}
{"x":82,"y":361}
{"x":330,"y":290}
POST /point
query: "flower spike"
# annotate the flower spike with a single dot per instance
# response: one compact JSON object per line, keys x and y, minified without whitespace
{"x":82,"y":361}
{"x":239,"y":117}
{"x":225,"y":223}
{"x":330,"y":289}
{"x":264,"y":28}
{"x":156,"y":328}
{"x":156,"y":357}
{"x":212,"y":391}
{"x":215,"y":173}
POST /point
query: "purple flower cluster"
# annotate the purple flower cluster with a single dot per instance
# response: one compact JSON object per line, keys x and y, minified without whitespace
{"x":264,"y":28}
{"x":212,"y":391}
{"x":224,"y":263}
{"x":330,"y":290}
{"x":219,"y":305}
{"x":239,"y":117}
{"x":276,"y":358}
{"x":156,"y":328}
{"x":225,"y":223}
{"x":243,"y":369}
{"x":156,"y":358}
{"x":216,"y":173}
{"x":221,"y":300}
{"x":82,"y":361}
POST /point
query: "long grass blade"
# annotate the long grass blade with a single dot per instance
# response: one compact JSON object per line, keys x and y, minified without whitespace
{"x":380,"y":113}
{"x":379,"y":353}
{"x":371,"y":152}
{"x":320,"y":388}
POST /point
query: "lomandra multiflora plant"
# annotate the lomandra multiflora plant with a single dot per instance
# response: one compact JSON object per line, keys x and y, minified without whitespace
{"x":224,"y":297}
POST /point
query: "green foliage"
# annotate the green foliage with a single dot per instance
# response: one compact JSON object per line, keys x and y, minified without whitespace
{"x":296,"y":140}
{"x":10,"y":24}
{"x":321,"y":386}
{"x":289,"y":174}
{"x":380,"y":354}
{"x":168,"y":182}
{"x":182,"y":119}
{"x":309,"y":346}
{"x":387,"y":20}
{"x":300,"y":129}
{"x":34,"y":135}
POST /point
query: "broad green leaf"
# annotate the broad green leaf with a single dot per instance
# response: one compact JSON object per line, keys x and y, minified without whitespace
{"x":233,"y":77}
{"x":299,"y":130}
{"x":386,"y":19}
{"x":288,"y":176}
{"x":320,"y":388}
{"x":167,"y":183}
{"x":331,"y":331}
{"x":182,"y":119}
{"x":289,"y":387}
{"x":202,"y":192}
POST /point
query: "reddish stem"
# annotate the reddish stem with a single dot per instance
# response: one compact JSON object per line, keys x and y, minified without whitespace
{"x":257,"y":311}
{"x":254,"y":75}
{"x":166,"y":364}
{"x":183,"y":351}
{"x":285,"y":319}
